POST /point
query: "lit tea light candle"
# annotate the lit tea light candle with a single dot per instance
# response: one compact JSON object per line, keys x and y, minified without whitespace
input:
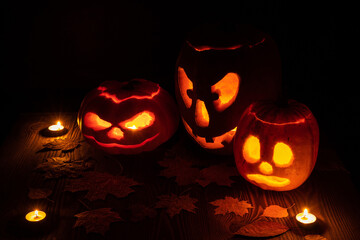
{"x":35,"y":216}
{"x":57,"y":127}
{"x":305,"y":217}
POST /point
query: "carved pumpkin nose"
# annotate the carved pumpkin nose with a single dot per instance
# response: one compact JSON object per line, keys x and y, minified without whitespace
{"x":265,"y":168}
{"x":115,"y":133}
{"x":201,"y":114}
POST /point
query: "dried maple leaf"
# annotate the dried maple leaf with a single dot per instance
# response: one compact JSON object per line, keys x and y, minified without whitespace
{"x":139,"y":212}
{"x":97,"y":221}
{"x":63,"y":144}
{"x":275,"y":211}
{"x":179,"y":168}
{"x":39,"y":193}
{"x":315,"y":237}
{"x":100,"y":184}
{"x":262,"y":229}
{"x":230,"y":204}
{"x":174,"y":204}
{"x":55,"y":167}
{"x":218,"y":174}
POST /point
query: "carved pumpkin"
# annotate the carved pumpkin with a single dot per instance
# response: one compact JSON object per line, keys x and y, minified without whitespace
{"x":219,"y":73}
{"x":128,"y":117}
{"x":276,"y":147}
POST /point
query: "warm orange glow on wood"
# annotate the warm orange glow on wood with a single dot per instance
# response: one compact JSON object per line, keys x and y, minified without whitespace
{"x":251,"y":149}
{"x":201,"y":114}
{"x":283,"y":155}
{"x":227,"y":89}
{"x":185,"y":84}
{"x":139,"y":121}
{"x":93,"y":121}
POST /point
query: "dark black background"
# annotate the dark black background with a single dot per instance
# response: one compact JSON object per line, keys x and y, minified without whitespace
{"x":56,"y":51}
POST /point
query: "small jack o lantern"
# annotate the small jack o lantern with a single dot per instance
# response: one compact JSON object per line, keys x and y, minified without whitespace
{"x":219,"y":73}
{"x":128,"y":117}
{"x":276,"y":147}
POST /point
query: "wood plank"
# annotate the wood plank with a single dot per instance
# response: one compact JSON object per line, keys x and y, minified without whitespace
{"x":328,"y":193}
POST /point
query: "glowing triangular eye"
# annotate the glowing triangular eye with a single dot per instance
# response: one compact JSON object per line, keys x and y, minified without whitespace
{"x":93,"y":121}
{"x":227,"y":89}
{"x":251,"y":149}
{"x":139,"y":121}
{"x":185,"y":84}
{"x":283,"y":155}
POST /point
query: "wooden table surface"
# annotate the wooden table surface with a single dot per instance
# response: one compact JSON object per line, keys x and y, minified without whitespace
{"x":328,"y":193}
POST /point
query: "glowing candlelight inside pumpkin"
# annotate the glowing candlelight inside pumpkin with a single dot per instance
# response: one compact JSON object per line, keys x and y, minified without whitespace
{"x":35,"y":216}
{"x":57,"y":127}
{"x":306,"y":217}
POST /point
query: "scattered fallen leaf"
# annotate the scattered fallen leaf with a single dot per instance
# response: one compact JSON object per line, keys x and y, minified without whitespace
{"x":218,"y":174}
{"x":179,"y":168}
{"x":139,"y":212}
{"x":174,"y":204}
{"x":39,"y":193}
{"x":315,"y":237}
{"x":100,"y":184}
{"x":55,"y":167}
{"x":97,"y":221}
{"x":63,"y":144}
{"x":262,"y":229}
{"x":230,"y":204}
{"x":275,"y":211}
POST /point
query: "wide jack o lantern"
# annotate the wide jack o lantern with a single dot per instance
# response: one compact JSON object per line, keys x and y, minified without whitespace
{"x":219,"y":73}
{"x":128,"y":117}
{"x":276,"y":147}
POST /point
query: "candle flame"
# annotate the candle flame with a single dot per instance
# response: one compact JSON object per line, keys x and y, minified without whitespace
{"x":305,"y":212}
{"x":132,"y":127}
{"x":57,"y":127}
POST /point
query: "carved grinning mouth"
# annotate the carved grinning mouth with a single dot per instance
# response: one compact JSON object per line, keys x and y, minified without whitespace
{"x":271,"y":181}
{"x":217,"y":142}
{"x":117,"y":145}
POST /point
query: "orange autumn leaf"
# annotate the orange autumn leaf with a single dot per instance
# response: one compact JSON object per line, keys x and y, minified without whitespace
{"x":218,"y":174}
{"x":99,"y":184}
{"x":174,"y":204}
{"x":179,"y":168}
{"x":97,"y":221}
{"x":275,"y":211}
{"x":230,"y":204}
{"x":262,"y":229}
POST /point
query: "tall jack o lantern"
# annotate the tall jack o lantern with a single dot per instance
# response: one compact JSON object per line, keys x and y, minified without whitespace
{"x":276,"y":147}
{"x":128,"y":117}
{"x":219,"y":73}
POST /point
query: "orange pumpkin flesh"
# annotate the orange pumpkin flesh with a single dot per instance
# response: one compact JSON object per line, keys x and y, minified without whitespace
{"x":128,"y":117}
{"x":276,"y":147}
